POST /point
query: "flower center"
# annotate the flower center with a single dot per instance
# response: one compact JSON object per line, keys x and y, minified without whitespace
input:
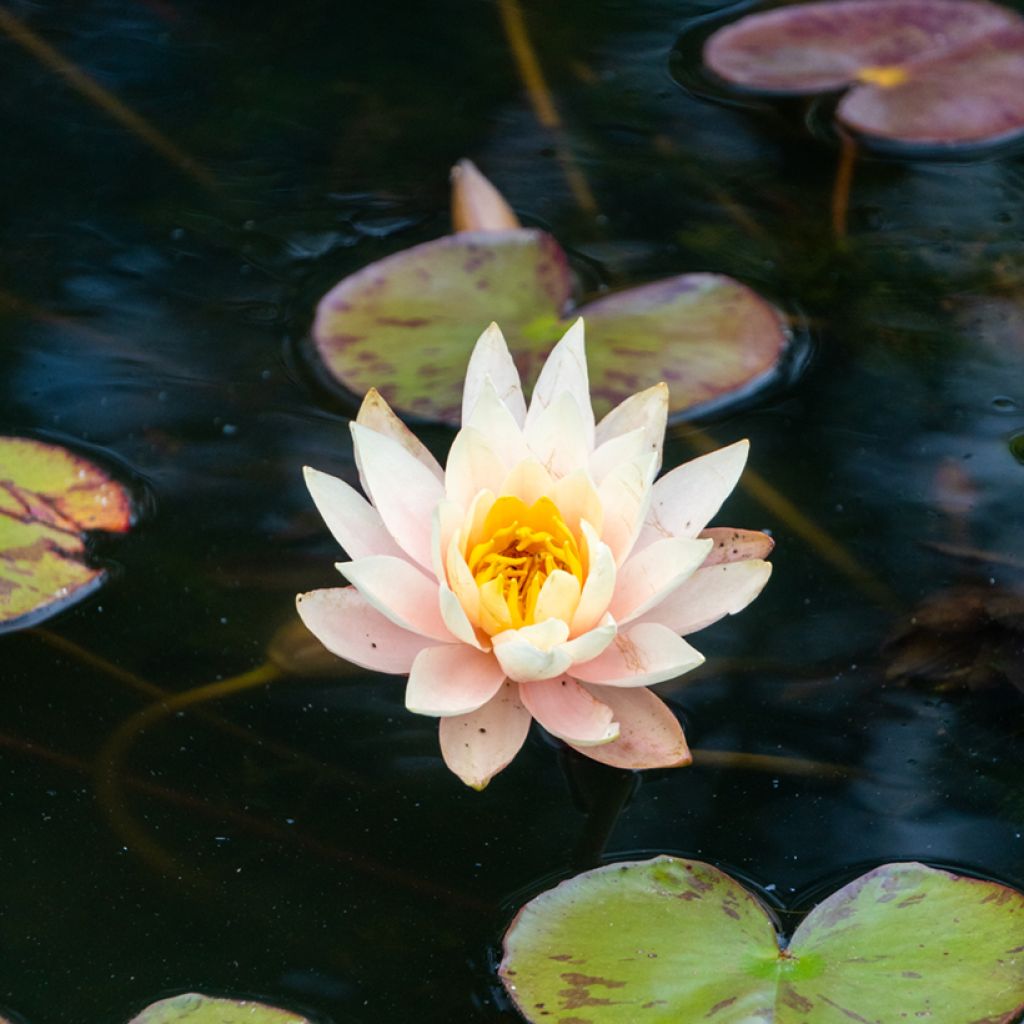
{"x":522,"y":546}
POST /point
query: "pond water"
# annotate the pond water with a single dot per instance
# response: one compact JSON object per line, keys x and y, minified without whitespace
{"x":302,"y":841}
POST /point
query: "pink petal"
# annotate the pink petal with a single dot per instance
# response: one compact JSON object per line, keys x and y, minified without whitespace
{"x":346,"y":624}
{"x":569,"y":712}
{"x":599,"y":585}
{"x":565,"y":371}
{"x":731,"y":545}
{"x":577,"y":499}
{"x":642,"y":655}
{"x":649,"y":576}
{"x":402,"y":489}
{"x":533,"y":652}
{"x":646,"y":411}
{"x":528,"y":481}
{"x":479,"y":745}
{"x":491,"y":358}
{"x":376,"y":414}
{"x":473,"y":466}
{"x":711,"y":593}
{"x":397,"y":589}
{"x":448,"y":517}
{"x":590,"y":644}
{"x":650,"y":736}
{"x":557,"y":436}
{"x":684,"y":500}
{"x":352,"y":520}
{"x":626,"y":496}
{"x":451,"y":680}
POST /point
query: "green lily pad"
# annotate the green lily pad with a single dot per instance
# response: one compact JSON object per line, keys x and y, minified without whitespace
{"x":49,"y":497}
{"x":407,"y":324}
{"x":193,"y":1008}
{"x":925,"y":72}
{"x":668,"y":940}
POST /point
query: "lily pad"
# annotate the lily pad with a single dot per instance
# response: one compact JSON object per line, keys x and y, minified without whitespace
{"x":406,"y":325}
{"x":194,"y":1008}
{"x":669,"y":940}
{"x":49,"y":497}
{"x":925,"y":72}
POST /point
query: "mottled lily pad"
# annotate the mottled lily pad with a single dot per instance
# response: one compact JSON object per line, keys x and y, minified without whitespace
{"x":406,"y":325}
{"x":669,"y":940}
{"x":925,"y":72}
{"x":193,"y":1008}
{"x":49,"y":497}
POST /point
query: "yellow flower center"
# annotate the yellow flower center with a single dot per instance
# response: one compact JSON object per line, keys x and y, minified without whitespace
{"x":885,"y":75}
{"x":522,"y":546}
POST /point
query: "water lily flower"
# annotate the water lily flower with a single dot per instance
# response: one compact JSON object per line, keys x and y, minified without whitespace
{"x":544,"y":572}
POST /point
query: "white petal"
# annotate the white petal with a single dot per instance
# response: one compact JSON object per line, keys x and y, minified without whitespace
{"x":557,"y":436}
{"x":565,"y":371}
{"x":558,"y":598}
{"x":491,"y":358}
{"x":473,"y":466}
{"x":498,"y":427}
{"x":569,"y":712}
{"x":447,"y":519}
{"x":646,"y":410}
{"x":624,"y":448}
{"x":577,"y":499}
{"x":684,"y":500}
{"x":451,"y":680}
{"x":402,"y":489}
{"x":598,"y":587}
{"x":533,"y":652}
{"x":456,"y":619}
{"x":711,"y":593}
{"x":626,"y":496}
{"x":644,"y":654}
{"x":397,"y":589}
{"x":348,"y":626}
{"x":647,"y":577}
{"x":376,"y":414}
{"x":528,"y":481}
{"x":479,"y":745}
{"x":353,"y":521}
{"x":732,"y":545}
{"x":460,"y":579}
{"x":589,"y":645}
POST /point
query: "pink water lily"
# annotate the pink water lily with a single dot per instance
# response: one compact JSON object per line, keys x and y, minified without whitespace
{"x":542,"y":573}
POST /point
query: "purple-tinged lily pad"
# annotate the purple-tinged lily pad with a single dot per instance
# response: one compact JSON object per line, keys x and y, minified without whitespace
{"x":49,"y":497}
{"x":924,"y":72}
{"x":406,"y":325}
{"x":194,"y":1008}
{"x":669,"y":940}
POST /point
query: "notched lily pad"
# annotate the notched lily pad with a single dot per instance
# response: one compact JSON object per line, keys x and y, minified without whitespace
{"x":924,"y":72}
{"x":407,"y":324}
{"x":669,"y":940}
{"x":49,"y":497}
{"x":194,"y":1008}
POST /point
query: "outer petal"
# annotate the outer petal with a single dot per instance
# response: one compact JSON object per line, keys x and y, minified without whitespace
{"x":645,"y":654}
{"x":646,"y":411}
{"x":710,"y":594}
{"x":684,"y":500}
{"x":348,"y":626}
{"x":649,"y":576}
{"x":598,"y":586}
{"x":557,"y":436}
{"x":479,"y":745}
{"x":569,"y":712}
{"x":402,"y":489}
{"x":491,"y":358}
{"x":451,"y":680}
{"x":626,"y":496}
{"x":589,"y":645}
{"x":473,"y":466}
{"x":733,"y":545}
{"x":650,"y":736}
{"x":353,"y":521}
{"x":376,"y":414}
{"x":624,"y":448}
{"x":533,"y":652}
{"x":565,"y":371}
{"x":398,"y":590}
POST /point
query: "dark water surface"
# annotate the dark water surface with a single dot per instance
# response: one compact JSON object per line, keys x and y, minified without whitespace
{"x":155,"y":312}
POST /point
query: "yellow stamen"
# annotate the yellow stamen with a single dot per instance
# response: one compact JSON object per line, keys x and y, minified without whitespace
{"x":885,"y":75}
{"x":520,"y":547}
